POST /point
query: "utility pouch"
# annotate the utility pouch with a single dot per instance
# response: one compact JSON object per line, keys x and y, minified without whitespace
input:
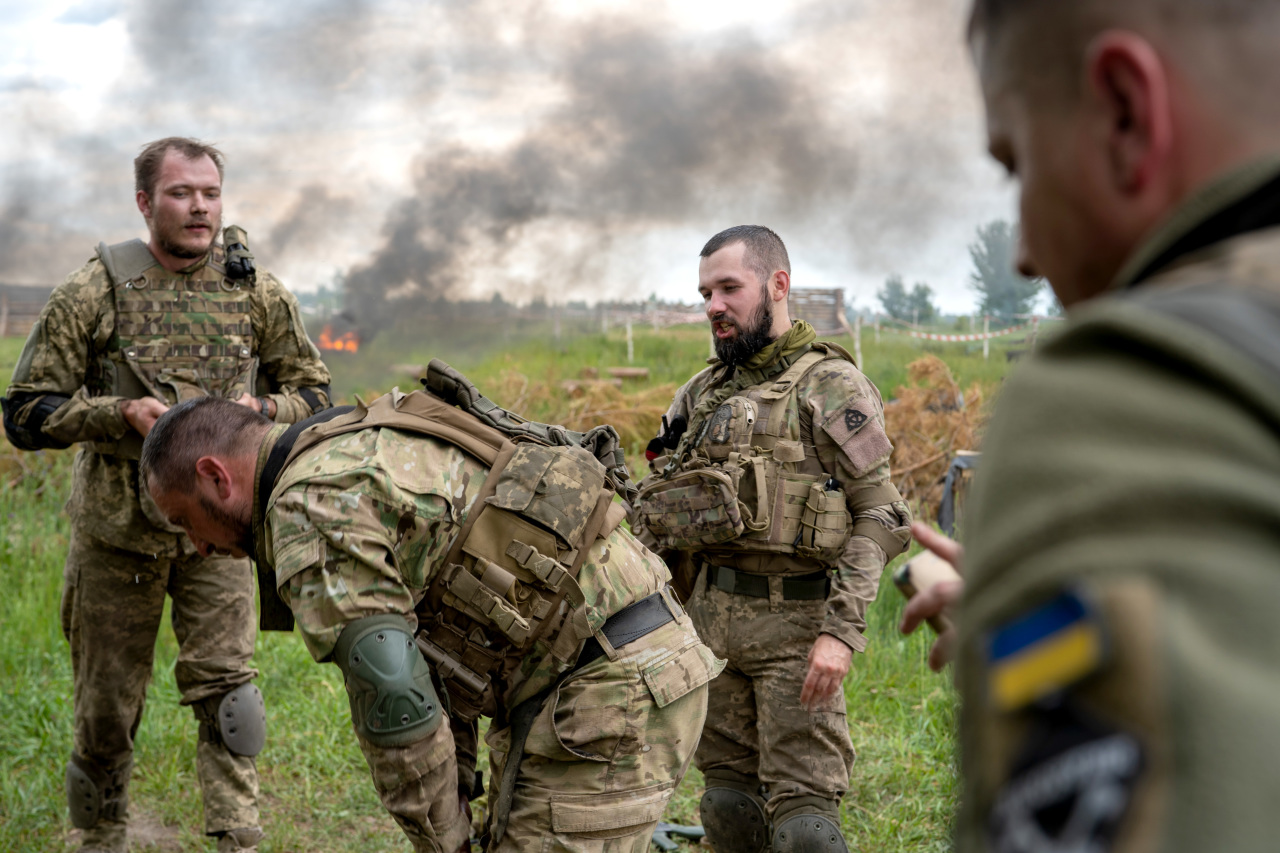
{"x":824,"y":524}
{"x":693,"y":508}
{"x":557,"y":487}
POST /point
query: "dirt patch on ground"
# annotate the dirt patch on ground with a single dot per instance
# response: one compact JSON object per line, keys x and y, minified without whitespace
{"x":146,"y":833}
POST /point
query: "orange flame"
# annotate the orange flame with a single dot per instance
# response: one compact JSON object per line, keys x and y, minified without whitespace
{"x":346,"y":342}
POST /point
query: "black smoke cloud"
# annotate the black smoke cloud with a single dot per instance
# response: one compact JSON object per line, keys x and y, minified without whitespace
{"x":457,"y":148}
{"x":651,"y":132}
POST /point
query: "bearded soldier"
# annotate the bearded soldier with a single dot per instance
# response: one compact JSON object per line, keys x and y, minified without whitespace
{"x":455,"y":564}
{"x":137,"y":329}
{"x":770,"y":489}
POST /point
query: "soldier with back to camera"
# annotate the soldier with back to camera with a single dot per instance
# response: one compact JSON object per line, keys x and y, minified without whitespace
{"x":140,"y":327}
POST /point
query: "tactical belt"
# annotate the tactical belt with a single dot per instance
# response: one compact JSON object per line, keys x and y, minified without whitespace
{"x":626,"y":626}
{"x":809,"y":587}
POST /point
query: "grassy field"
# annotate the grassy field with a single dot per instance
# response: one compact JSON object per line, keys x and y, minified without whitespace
{"x":315,"y":787}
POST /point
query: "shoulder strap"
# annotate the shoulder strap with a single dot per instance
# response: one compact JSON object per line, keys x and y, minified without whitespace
{"x":790,"y":377}
{"x":126,"y":261}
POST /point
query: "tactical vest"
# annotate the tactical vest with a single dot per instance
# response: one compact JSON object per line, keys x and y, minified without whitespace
{"x":748,"y":484}
{"x":511,"y":573}
{"x":178,"y":336}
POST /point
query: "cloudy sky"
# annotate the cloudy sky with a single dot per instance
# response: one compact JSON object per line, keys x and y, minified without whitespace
{"x":567,"y":149}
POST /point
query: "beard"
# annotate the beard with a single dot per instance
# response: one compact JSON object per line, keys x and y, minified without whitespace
{"x":180,"y":251}
{"x":750,"y":339}
{"x":237,"y":524}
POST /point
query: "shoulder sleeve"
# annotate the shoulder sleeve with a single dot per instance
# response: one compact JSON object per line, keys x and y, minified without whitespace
{"x":47,"y":398}
{"x":848,"y":422}
{"x":298,"y":380}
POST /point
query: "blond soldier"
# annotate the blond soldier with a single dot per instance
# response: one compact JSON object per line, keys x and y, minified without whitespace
{"x":1118,"y":638}
{"x":450,"y":574}
{"x":133,"y":331}
{"x":770,"y":486}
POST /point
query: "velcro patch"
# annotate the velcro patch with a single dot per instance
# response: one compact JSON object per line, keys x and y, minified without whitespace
{"x":1044,"y":651}
{"x":1070,"y":787}
{"x":859,"y":435}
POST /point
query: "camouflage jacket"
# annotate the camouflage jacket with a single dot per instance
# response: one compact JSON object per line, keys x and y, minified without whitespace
{"x":360,"y":524}
{"x":75,"y":329}
{"x":855,"y":461}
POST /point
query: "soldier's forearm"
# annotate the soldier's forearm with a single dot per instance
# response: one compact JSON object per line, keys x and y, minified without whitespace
{"x":296,"y":404}
{"x":85,"y":418}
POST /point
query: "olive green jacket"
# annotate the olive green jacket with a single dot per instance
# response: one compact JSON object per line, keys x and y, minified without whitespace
{"x":1135,"y":462}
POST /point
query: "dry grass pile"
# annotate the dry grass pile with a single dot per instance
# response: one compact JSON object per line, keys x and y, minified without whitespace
{"x":45,"y":468}
{"x":584,"y":403}
{"x":928,"y":421}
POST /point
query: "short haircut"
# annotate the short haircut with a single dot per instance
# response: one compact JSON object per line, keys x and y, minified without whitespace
{"x":764,"y":254}
{"x":205,"y":426}
{"x":1226,"y":43}
{"x":146,"y":166}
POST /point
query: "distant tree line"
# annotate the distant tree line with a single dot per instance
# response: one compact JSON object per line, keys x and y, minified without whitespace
{"x":1001,"y":291}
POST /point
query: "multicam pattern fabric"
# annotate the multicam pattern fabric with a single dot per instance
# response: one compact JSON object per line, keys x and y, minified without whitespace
{"x":832,"y":426}
{"x":76,"y":335}
{"x":360,"y":525}
{"x":125,"y":556}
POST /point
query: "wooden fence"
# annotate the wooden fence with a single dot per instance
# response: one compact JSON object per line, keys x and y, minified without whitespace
{"x":20,"y":306}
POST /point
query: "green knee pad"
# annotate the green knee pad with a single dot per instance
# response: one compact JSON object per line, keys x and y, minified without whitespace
{"x":393,"y":702}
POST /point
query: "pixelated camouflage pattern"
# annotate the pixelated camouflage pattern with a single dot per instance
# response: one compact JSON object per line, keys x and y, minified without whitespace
{"x":852,"y":448}
{"x":756,"y":725}
{"x":112,"y":606}
{"x":360,"y":524}
{"x":64,"y":354}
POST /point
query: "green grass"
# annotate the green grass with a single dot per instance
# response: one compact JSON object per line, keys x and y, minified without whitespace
{"x":315,"y":785}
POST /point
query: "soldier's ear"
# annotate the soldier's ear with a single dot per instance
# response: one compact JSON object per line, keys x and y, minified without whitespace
{"x":780,"y":285}
{"x":144,"y":203}
{"x":212,"y":473}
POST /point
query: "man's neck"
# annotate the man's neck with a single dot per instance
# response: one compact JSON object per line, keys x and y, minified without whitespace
{"x":173,"y":263}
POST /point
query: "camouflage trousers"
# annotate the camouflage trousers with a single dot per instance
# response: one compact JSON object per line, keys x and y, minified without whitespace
{"x":607,"y":750}
{"x":112,"y":606}
{"x":756,"y":726}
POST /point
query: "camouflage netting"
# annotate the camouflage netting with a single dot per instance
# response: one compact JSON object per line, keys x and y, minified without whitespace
{"x":928,"y":421}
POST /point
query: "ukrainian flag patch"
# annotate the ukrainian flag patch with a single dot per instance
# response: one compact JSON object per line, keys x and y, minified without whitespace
{"x":1043,"y":652}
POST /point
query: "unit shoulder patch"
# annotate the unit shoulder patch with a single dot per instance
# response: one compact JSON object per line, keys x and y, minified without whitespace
{"x":1044,"y":651}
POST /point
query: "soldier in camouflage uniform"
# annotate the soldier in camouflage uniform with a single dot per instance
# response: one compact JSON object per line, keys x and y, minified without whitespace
{"x":770,"y":491}
{"x":565,"y":632}
{"x":133,"y":331}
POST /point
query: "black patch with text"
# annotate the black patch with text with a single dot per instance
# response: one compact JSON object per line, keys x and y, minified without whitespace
{"x":853,"y":420}
{"x":1070,"y":787}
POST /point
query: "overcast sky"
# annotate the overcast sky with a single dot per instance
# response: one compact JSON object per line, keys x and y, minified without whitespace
{"x":558,"y":148}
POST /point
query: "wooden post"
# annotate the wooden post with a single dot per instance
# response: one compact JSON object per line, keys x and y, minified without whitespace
{"x":654,"y":317}
{"x":555,"y":321}
{"x":631,"y":346}
{"x":877,"y":330}
{"x":857,"y":340}
{"x":4,"y":314}
{"x":986,"y":341}
{"x":1035,"y":331}
{"x":604,"y":319}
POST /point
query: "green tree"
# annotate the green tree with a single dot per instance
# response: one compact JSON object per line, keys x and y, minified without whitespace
{"x":1002,"y":292}
{"x":920,"y":303}
{"x":894,"y":299}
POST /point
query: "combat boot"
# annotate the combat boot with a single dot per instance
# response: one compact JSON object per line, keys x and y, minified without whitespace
{"x":243,"y":840}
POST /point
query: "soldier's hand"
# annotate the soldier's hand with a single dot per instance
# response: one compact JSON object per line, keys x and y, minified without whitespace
{"x":248,"y":400}
{"x":142,"y":414}
{"x":938,"y":600}
{"x":829,"y":661}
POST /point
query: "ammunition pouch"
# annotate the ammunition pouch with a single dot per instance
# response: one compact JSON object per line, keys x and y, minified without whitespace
{"x":692,"y":509}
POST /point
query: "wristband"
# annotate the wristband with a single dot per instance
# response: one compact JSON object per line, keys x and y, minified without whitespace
{"x":262,"y":404}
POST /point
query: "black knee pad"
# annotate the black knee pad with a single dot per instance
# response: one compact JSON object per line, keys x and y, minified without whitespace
{"x":808,"y":833}
{"x":237,"y":720}
{"x":93,"y":794}
{"x":733,"y":815}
